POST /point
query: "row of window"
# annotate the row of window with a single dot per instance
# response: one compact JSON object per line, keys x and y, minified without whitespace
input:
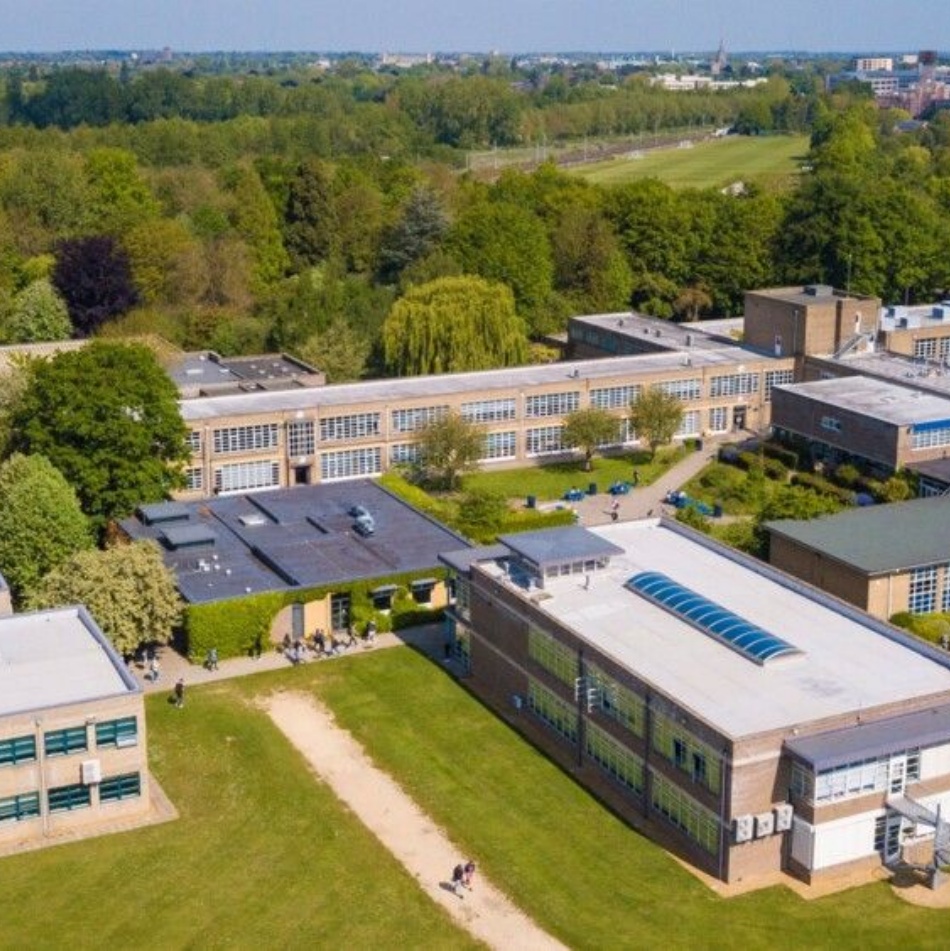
{"x":698,"y":823}
{"x":679,"y":747}
{"x":930,"y":438}
{"x":22,"y":749}
{"x":876,"y":774}
{"x":556,"y":658}
{"x":925,"y":585}
{"x":25,"y":806}
{"x":689,"y":754}
{"x":932,"y":348}
{"x":301,"y":434}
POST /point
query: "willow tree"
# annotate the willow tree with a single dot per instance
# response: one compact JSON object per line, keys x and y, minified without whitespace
{"x":451,"y":325}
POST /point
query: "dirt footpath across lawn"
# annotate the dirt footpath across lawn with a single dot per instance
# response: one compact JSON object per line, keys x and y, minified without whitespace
{"x":411,"y":836}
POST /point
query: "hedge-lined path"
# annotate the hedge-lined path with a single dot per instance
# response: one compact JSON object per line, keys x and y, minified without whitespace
{"x":429,"y":638}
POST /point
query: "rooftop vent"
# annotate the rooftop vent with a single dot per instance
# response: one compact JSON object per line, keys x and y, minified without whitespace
{"x":252,"y":519}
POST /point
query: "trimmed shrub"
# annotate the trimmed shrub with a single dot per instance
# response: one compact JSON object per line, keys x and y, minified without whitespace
{"x":771,"y":468}
{"x":823,"y":486}
{"x":788,"y":457}
{"x":847,"y":475}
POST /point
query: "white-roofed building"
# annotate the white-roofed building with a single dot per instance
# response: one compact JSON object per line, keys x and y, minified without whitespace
{"x":73,"y":752}
{"x":680,"y":680}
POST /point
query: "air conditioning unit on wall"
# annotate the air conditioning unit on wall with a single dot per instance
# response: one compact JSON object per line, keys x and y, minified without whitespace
{"x":764,"y":824}
{"x":783,"y":817}
{"x":91,"y":772}
{"x":742,"y":828}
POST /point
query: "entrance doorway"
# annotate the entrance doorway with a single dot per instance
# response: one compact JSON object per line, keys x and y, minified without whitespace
{"x":301,"y":475}
{"x":739,"y":417}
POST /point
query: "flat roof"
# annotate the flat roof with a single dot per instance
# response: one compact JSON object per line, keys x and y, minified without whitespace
{"x":194,"y":371}
{"x":54,"y":658}
{"x":875,"y":739}
{"x":877,"y":399}
{"x":807,"y":294}
{"x":847,"y":662}
{"x":914,"y":317}
{"x":570,"y":543}
{"x":878,"y":538}
{"x":279,"y":540}
{"x":446,"y":385}
{"x":895,"y":368}
{"x":666,"y":334}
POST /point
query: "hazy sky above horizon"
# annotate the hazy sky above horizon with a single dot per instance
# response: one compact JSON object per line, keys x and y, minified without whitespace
{"x":473,"y":25}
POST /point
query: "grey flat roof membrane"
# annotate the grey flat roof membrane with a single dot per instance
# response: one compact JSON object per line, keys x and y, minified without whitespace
{"x":872,"y":740}
{"x":557,"y":545}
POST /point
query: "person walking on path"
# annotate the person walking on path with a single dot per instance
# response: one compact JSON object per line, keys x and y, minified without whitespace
{"x":179,"y":693}
{"x":154,"y":669}
{"x":212,"y":661}
{"x":469,"y":874}
{"x":458,"y":879}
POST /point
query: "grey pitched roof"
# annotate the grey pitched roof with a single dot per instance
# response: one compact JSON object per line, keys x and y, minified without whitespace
{"x":880,"y":538}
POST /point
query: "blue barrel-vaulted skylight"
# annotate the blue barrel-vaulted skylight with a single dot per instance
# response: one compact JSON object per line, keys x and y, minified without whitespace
{"x":742,"y":636}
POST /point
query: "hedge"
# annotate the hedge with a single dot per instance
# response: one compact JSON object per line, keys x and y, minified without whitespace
{"x":771,"y":468}
{"x":823,"y":486}
{"x":788,"y":457}
{"x":241,"y":626}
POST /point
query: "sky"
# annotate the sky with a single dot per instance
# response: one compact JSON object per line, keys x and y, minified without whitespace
{"x":505,"y":26}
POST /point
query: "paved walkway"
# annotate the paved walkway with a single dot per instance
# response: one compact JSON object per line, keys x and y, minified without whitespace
{"x":646,"y":500}
{"x":429,"y":639}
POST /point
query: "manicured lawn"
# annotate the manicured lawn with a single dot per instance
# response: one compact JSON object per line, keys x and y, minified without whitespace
{"x":263,"y":857}
{"x":550,"y":482}
{"x":769,"y":161}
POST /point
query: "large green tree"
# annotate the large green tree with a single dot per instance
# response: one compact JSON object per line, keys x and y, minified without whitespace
{"x":450,"y":446}
{"x":504,"y":242}
{"x":340,"y":352}
{"x":451,"y":325}
{"x":656,"y":416}
{"x":127,"y":589}
{"x":37,"y":313}
{"x":588,"y":429}
{"x":107,"y":417}
{"x":41,"y":523}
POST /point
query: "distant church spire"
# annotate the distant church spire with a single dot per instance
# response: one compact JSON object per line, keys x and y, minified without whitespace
{"x":721,"y":60}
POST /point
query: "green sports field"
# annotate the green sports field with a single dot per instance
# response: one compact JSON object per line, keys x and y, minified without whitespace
{"x":772,"y":162}
{"x":263,"y":856}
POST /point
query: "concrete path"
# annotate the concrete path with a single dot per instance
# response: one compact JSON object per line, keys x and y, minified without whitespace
{"x":412,"y":837}
{"x":428,"y":638}
{"x":646,"y":501}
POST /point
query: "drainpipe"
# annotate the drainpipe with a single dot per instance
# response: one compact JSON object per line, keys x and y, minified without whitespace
{"x":41,"y":766}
